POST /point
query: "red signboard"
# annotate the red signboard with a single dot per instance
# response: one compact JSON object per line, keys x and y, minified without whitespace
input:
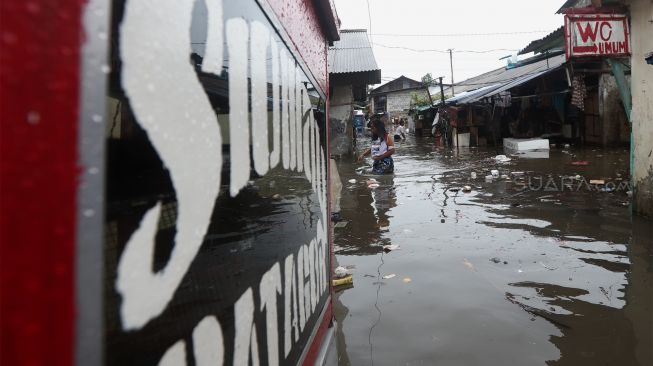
{"x":596,"y":35}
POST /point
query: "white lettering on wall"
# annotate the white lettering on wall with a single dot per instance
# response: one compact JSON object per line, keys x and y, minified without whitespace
{"x":276,"y":104}
{"x":160,"y":101}
{"x":208,"y":346}
{"x":173,"y":109}
{"x":285,"y":102}
{"x":246,"y":340}
{"x":299,"y":89}
{"x":212,"y":62}
{"x":237,"y":36}
{"x":300,"y":287}
{"x":175,"y":355}
{"x":258,"y":49}
{"x":270,"y":286}
{"x":291,"y":323}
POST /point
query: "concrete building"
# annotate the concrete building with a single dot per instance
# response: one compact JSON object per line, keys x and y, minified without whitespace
{"x":395,"y":97}
{"x":641,"y":27}
{"x":636,"y":91}
{"x":352,"y":67}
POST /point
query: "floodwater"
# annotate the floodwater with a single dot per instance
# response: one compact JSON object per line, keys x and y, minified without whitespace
{"x":534,"y":268}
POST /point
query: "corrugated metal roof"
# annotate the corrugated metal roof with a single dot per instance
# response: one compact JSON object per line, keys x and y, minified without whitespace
{"x":502,"y":79}
{"x":352,"y":53}
{"x":551,"y":40}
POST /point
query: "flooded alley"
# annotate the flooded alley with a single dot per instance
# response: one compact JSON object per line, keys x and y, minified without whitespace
{"x":537,"y":266}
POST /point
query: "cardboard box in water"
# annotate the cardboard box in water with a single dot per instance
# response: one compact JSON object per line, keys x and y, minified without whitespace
{"x":525,"y":144}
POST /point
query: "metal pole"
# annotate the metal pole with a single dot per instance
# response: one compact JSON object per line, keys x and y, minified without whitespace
{"x":446,"y":139}
{"x":451,"y":63}
{"x":442,"y":91}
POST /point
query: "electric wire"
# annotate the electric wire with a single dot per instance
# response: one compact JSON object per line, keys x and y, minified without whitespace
{"x":445,"y":51}
{"x":458,"y":34}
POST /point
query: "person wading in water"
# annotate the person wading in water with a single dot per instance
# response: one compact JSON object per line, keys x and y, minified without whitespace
{"x":382,"y":148}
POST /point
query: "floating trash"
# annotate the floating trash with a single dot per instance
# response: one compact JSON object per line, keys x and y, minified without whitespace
{"x":502,"y":158}
{"x":389,"y":276}
{"x":347,"y":280}
{"x":391,"y":247}
{"x":340,"y":272}
{"x":580,"y":163}
{"x":352,"y":181}
{"x":468,"y":264}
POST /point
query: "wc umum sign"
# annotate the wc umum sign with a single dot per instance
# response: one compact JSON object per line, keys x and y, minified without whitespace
{"x":596,"y":35}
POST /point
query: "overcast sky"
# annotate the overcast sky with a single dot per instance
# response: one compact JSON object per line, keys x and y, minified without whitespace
{"x":452,"y":21}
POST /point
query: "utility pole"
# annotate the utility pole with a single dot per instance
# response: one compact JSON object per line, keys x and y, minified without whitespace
{"x":442,"y":108}
{"x":451,"y":63}
{"x":442,"y":91}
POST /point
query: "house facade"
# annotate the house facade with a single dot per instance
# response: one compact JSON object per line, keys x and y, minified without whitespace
{"x":352,"y":67}
{"x":396,"y":97}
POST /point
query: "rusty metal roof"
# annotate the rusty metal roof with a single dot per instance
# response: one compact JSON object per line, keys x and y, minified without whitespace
{"x":352,"y":53}
{"x":502,"y":79}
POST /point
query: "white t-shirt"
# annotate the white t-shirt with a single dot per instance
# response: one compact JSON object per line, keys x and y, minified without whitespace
{"x":400,"y":131}
{"x":379,"y":147}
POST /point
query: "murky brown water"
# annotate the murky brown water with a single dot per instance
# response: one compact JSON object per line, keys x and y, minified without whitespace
{"x":557,"y":273}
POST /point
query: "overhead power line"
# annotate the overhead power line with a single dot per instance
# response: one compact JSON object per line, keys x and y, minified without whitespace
{"x":460,"y":34}
{"x":445,"y":51}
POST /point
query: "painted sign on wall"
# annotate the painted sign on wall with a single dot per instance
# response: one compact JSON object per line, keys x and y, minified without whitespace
{"x":216,"y":239}
{"x":596,"y":35}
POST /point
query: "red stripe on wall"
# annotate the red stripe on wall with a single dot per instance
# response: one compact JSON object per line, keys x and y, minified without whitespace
{"x":39,"y":92}
{"x":314,"y":348}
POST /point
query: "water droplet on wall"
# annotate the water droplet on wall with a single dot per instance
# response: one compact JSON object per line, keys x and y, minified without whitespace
{"x":33,"y":117}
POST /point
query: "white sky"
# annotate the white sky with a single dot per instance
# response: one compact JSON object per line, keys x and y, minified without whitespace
{"x":444,"y":18}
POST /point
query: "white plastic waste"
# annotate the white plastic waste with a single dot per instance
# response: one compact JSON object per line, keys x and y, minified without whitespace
{"x":502,"y":158}
{"x":340,"y":272}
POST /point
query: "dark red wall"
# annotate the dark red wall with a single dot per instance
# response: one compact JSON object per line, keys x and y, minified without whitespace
{"x":300,"y":20}
{"x":39,"y":90}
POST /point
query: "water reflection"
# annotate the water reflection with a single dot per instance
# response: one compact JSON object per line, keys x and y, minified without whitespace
{"x":500,"y":275}
{"x":368,"y":209}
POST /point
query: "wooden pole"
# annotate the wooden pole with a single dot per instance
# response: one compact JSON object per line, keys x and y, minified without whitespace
{"x":451,"y":64}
